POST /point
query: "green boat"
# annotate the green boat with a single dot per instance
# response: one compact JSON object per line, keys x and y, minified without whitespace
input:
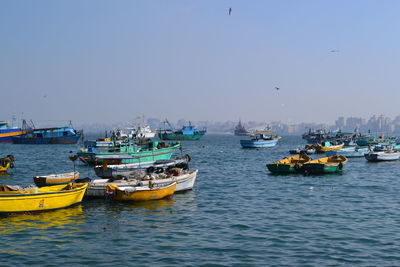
{"x":291,"y":164}
{"x":188,"y":132}
{"x":151,"y":152}
{"x":325,"y":165}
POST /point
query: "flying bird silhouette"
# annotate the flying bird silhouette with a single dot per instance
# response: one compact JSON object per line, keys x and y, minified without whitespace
{"x":334,"y":51}
{"x":230,"y":11}
{"x":277,"y":88}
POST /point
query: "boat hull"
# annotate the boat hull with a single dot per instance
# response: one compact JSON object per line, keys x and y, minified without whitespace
{"x":120,"y":194}
{"x":55,"y":179}
{"x":6,"y":135}
{"x":47,"y":198}
{"x":317,"y":168}
{"x":48,"y":140}
{"x":180,"y":137}
{"x":98,"y":187}
{"x":258,"y":143}
{"x":382,"y":156}
{"x":348,"y":153}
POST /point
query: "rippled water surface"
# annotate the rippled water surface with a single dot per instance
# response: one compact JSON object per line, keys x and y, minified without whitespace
{"x":237,"y":214}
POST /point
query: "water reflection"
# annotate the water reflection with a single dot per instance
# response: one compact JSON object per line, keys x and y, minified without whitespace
{"x":62,"y":218}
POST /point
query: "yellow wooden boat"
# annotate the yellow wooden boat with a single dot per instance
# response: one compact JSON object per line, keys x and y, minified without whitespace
{"x":328,"y":146}
{"x":289,"y":165}
{"x":6,"y":163}
{"x":14,"y":199}
{"x":55,"y":179}
{"x":325,"y":165}
{"x":140,"y":193}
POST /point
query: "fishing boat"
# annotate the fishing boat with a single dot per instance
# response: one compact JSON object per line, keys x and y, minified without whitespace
{"x":240,"y":130}
{"x":187,"y":132}
{"x":7,"y":132}
{"x":328,"y":146}
{"x":54,"y":135}
{"x":321,"y":135}
{"x":291,"y":164}
{"x":325,"y":165}
{"x":140,"y":193}
{"x":124,"y":170}
{"x":260,"y":139}
{"x":14,"y":199}
{"x":55,"y":179}
{"x":383,"y":154}
{"x":184,"y":179}
{"x":129,"y":153}
{"x":6,"y":163}
{"x":349,"y":152}
{"x":308,"y":149}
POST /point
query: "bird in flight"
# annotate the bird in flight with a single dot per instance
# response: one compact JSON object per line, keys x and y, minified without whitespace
{"x":277,"y":88}
{"x":230,"y":11}
{"x":334,"y":51}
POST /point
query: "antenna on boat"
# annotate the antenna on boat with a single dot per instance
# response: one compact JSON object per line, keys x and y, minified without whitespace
{"x":73,"y":159}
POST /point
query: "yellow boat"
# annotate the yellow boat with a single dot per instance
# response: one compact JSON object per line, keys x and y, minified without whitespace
{"x":291,"y":164}
{"x":55,"y":179}
{"x":14,"y":199}
{"x":325,"y":165}
{"x":6,"y":163}
{"x":140,"y":193}
{"x":328,"y":146}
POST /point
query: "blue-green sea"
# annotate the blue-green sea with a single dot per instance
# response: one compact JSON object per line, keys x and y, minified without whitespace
{"x":238,"y":214}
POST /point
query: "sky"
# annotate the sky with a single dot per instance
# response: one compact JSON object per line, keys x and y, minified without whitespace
{"x":96,"y":61}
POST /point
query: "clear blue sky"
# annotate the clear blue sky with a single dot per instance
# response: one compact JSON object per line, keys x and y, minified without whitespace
{"x":105,"y":61}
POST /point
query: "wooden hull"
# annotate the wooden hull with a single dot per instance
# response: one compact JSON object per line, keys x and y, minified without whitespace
{"x":143,"y":193}
{"x":291,"y":164}
{"x":329,"y":148}
{"x":42,"y":199}
{"x":55,"y":179}
{"x":97,"y":188}
{"x":325,"y":165}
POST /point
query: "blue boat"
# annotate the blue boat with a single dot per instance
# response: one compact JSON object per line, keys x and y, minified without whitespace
{"x":7,"y":132}
{"x":349,"y":152}
{"x":188,"y":132}
{"x":260,"y":139}
{"x":56,"y":135}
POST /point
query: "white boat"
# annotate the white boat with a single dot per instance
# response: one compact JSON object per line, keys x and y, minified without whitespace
{"x":141,"y":132}
{"x":382,"y":155}
{"x":185,"y":181}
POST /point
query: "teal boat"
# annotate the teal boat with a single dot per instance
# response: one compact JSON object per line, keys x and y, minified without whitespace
{"x":151,"y":152}
{"x":188,"y":132}
{"x":291,"y":164}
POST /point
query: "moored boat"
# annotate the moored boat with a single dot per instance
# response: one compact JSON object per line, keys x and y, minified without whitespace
{"x":328,"y":146}
{"x":7,"y":132}
{"x":386,"y":154}
{"x":260,"y":139}
{"x":187,"y":132}
{"x":240,"y":129}
{"x":325,"y":165}
{"x":14,"y":199}
{"x":349,"y":152}
{"x":140,"y":193}
{"x":184,"y":181}
{"x":291,"y":164}
{"x":129,"y":153}
{"x":55,"y":179}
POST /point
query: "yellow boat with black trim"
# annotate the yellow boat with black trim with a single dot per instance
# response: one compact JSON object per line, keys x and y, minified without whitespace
{"x":291,"y":164}
{"x":325,"y":165}
{"x":56,"y":179}
{"x":328,"y":146}
{"x":14,"y":199}
{"x":140,"y":193}
{"x":6,"y":163}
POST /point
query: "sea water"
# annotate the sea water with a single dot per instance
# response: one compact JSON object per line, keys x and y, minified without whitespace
{"x":238,"y":214}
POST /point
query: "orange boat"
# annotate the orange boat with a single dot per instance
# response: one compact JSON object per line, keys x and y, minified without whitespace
{"x":55,"y":179}
{"x":141,"y":193}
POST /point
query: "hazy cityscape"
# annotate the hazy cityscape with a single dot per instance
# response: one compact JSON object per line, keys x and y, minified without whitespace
{"x":375,"y":124}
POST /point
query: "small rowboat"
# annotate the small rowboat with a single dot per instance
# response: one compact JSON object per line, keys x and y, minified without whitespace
{"x":55,"y":179}
{"x":6,"y":163}
{"x":140,"y":193}
{"x":289,"y":165}
{"x":325,"y":165}
{"x":328,"y":146}
{"x":14,"y":199}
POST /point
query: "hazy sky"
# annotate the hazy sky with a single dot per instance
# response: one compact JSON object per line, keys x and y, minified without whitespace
{"x":105,"y":61}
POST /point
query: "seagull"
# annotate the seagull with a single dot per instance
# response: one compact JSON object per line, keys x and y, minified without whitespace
{"x":230,"y":11}
{"x":334,"y":51}
{"x":277,"y":88}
